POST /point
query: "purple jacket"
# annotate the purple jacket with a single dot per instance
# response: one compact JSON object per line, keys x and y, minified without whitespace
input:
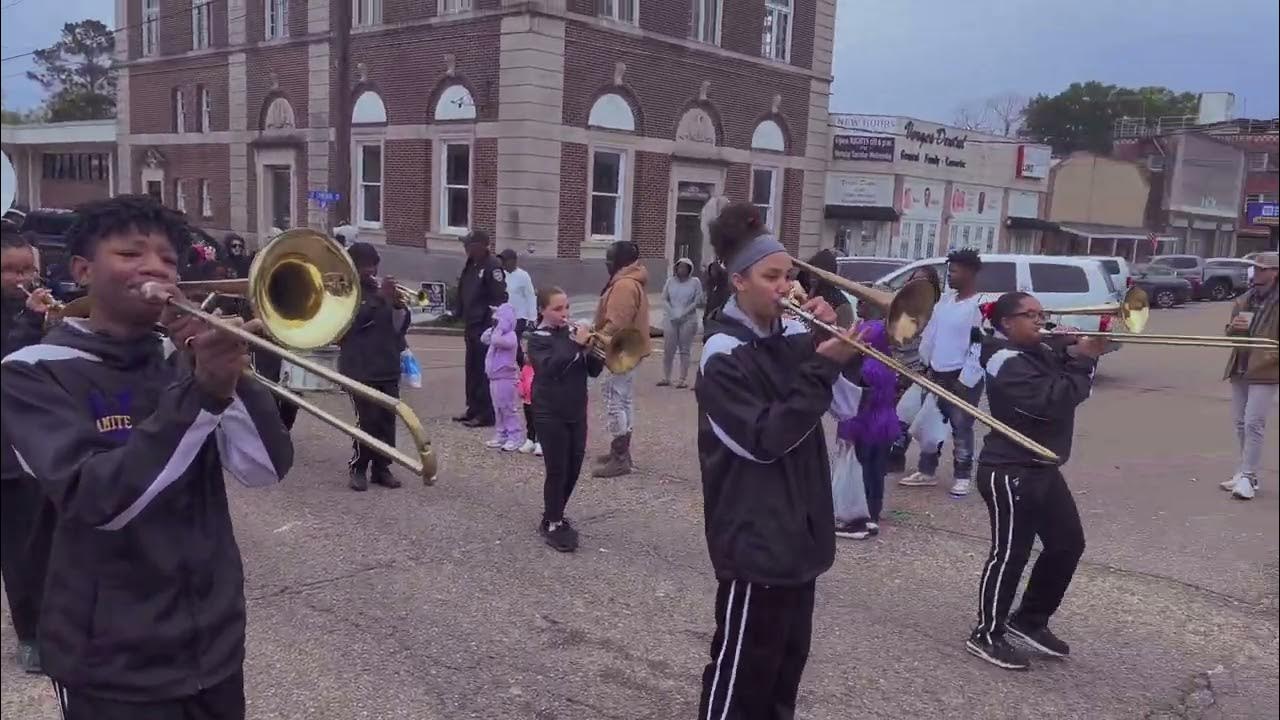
{"x":500,"y":361}
{"x":877,"y":420}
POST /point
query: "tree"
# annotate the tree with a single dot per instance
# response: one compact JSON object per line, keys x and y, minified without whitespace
{"x":78,"y":73}
{"x":972,"y":116}
{"x":1006,"y":112}
{"x":1082,"y":116}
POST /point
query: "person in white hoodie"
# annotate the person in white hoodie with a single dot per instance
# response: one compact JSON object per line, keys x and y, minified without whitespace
{"x":522,"y":296}
{"x":949,"y":350}
{"x":681,"y":296}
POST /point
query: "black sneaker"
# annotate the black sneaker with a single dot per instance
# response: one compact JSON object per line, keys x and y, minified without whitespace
{"x":998,"y":652}
{"x":357,"y":480}
{"x":1040,"y":640}
{"x":29,"y":658}
{"x":897,"y":463}
{"x":562,"y":537}
{"x":385,"y":479}
{"x":853,"y":530}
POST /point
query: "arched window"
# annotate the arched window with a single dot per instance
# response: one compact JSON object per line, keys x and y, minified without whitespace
{"x":768,"y":136}
{"x":612,"y":112}
{"x":696,"y":126}
{"x":369,"y":109}
{"x":455,"y":103}
{"x":279,"y":115}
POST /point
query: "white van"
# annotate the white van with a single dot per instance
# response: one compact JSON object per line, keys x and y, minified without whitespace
{"x":1057,"y":281}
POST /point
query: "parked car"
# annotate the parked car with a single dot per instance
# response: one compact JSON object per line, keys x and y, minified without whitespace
{"x":1117,"y":268}
{"x":867,"y":269}
{"x":1057,"y":281}
{"x":1164,"y":287}
{"x":1222,"y":271}
{"x":1189,"y":267}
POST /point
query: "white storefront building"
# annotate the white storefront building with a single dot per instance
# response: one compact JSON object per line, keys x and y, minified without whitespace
{"x":902,"y":187}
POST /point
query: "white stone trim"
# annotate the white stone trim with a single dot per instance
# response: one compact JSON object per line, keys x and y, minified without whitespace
{"x":685,"y":172}
{"x":262,"y":157}
{"x":625,"y":194}
{"x":359,"y":140}
{"x":439,"y":152}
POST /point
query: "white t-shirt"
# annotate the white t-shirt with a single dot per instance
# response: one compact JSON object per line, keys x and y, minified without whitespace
{"x":521,"y":295}
{"x":947,"y":344}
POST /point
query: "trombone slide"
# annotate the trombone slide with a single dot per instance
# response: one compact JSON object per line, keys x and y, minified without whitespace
{"x":924,"y":382}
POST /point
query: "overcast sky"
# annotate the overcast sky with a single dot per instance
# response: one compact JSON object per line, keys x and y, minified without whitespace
{"x":927,"y":57}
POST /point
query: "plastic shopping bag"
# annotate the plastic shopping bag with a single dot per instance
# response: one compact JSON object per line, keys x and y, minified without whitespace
{"x":848,"y":494}
{"x":929,"y":428}
{"x":410,"y":371}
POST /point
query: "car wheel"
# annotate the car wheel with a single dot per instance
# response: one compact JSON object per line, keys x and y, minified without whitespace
{"x":1219,"y":291}
{"x":1165,"y":299}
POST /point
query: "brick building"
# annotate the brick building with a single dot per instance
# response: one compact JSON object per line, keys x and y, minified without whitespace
{"x":60,"y":165}
{"x":559,"y":125}
{"x":1204,"y":176}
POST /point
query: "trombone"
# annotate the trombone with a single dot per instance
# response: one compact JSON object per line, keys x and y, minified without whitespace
{"x":305,"y":290}
{"x":906,"y":314}
{"x":1133,"y":312}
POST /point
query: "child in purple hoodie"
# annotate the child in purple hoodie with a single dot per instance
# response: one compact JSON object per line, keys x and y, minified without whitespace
{"x":504,"y":379}
{"x":875,"y":427}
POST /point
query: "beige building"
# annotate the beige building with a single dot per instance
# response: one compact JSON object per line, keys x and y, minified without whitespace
{"x":1100,"y":205}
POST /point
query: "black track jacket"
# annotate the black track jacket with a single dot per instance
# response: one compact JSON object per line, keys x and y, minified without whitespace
{"x":766,"y":479}
{"x":144,"y":597}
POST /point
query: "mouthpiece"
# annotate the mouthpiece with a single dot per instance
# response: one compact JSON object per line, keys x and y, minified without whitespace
{"x":154,"y":291}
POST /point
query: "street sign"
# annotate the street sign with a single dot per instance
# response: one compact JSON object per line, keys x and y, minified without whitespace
{"x":324,"y":198}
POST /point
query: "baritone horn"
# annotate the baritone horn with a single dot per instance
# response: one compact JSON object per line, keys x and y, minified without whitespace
{"x":621,"y":351}
{"x":306,"y":291}
{"x":906,"y":311}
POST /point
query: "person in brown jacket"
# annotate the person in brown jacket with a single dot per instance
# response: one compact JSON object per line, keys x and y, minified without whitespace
{"x":1253,"y":374}
{"x":624,"y":304}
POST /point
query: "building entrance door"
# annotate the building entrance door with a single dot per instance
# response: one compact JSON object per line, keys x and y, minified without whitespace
{"x":690,"y":199}
{"x":281,"y":194}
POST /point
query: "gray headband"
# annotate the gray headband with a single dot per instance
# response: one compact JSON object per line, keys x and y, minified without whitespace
{"x":758,"y":249}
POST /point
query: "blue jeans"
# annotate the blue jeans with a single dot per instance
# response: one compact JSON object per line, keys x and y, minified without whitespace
{"x":961,"y":427}
{"x":875,"y":465}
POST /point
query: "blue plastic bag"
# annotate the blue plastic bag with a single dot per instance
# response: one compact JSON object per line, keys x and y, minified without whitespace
{"x":410,"y":370}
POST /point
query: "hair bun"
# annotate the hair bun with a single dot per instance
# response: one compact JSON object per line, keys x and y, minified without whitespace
{"x":737,"y":223}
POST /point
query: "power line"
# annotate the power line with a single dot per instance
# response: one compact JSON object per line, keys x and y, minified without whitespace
{"x":122,"y":28}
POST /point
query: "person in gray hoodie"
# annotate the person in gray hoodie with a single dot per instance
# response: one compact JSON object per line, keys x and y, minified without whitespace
{"x":680,"y":298}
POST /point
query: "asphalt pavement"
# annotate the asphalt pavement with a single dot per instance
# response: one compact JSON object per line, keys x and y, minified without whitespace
{"x":443,"y":602}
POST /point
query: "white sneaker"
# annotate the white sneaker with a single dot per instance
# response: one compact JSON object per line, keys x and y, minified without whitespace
{"x":494,"y":444}
{"x":537,"y":449}
{"x":960,"y":488}
{"x":512,"y":446}
{"x":1230,"y":484}
{"x":1244,"y":489}
{"x":527,"y":447}
{"x":918,"y":479}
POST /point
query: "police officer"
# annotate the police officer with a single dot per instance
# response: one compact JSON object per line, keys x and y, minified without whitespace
{"x":481,"y":287}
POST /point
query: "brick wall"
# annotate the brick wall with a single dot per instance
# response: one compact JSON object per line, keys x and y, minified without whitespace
{"x":290,"y":66}
{"x":395,"y":11}
{"x":573,"y":199}
{"x":792,"y":198}
{"x":407,"y":87}
{"x":175,"y":26}
{"x":484,"y":185}
{"x":742,"y":28}
{"x":70,"y":193}
{"x":669,"y":17}
{"x":650,"y":183}
{"x":665,"y":79}
{"x":151,"y":88}
{"x":802,"y":29}
{"x":407,"y":192}
{"x":192,"y":163}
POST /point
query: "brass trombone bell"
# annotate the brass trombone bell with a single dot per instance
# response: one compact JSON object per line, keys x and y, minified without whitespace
{"x":906,"y":311}
{"x":1132,"y":311}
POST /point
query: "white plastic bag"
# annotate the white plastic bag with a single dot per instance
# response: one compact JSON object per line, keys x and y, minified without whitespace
{"x":928,"y":427}
{"x":410,"y":371}
{"x":848,"y":494}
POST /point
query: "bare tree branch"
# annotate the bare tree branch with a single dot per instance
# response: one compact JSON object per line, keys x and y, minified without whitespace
{"x":1006,"y":111}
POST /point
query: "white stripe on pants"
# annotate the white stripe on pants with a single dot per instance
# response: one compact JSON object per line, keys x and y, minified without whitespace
{"x":619,"y":398}
{"x":736,"y":640}
{"x":987,"y":612}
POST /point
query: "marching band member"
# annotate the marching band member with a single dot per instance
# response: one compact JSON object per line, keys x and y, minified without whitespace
{"x":1033,"y":388}
{"x":26,"y":518}
{"x":144,"y":610}
{"x":763,"y":386}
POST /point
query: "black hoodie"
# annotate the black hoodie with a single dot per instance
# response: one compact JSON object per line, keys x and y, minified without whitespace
{"x":144,"y":598}
{"x":560,"y":371}
{"x":19,"y":327}
{"x":1034,"y":391}
{"x":766,"y":480}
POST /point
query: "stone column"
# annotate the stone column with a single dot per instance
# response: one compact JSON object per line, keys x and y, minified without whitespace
{"x":237,"y":89}
{"x":530,"y":109}
{"x":124,"y":147}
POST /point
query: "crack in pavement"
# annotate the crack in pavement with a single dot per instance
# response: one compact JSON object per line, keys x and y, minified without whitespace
{"x":302,"y":587}
{"x":1197,"y":700}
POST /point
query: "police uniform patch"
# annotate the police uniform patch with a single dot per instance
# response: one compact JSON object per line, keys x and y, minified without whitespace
{"x":498,"y":275}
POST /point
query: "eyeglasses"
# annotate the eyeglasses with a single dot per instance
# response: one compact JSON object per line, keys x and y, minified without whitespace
{"x":1032,"y":315}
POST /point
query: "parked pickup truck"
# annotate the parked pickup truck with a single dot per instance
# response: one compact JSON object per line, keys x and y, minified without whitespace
{"x":1218,"y":281}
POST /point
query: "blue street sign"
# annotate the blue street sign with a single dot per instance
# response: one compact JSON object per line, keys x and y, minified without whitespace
{"x":324,"y":196}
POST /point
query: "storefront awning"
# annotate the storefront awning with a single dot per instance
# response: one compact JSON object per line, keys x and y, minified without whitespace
{"x":882,"y":213}
{"x":1014,"y":222}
